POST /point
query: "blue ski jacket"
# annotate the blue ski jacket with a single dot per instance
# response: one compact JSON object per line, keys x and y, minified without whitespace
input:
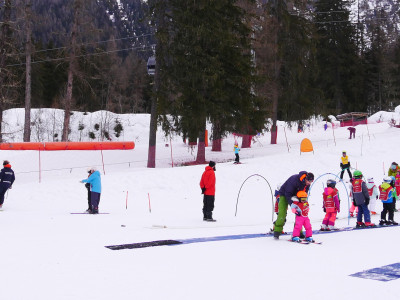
{"x":95,"y":182}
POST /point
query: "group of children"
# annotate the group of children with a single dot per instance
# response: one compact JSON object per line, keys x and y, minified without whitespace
{"x":363,"y":195}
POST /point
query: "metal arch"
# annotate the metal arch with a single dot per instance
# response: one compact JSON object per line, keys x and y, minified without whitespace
{"x":347,"y":193}
{"x":272,"y":197}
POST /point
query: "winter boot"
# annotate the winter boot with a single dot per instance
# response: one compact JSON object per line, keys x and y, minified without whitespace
{"x":276,"y":235}
{"x":332,"y":227}
{"x":360,"y":225}
{"x":324,"y":227}
{"x":296,"y":239}
{"x":309,"y":239}
{"x":373,"y":213}
{"x":391,"y":222}
{"x":302,"y":236}
{"x":369,"y":224}
{"x":382,"y":222}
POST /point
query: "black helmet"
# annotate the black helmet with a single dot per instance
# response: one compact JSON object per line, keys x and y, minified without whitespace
{"x":331,"y":183}
{"x":310,"y":176}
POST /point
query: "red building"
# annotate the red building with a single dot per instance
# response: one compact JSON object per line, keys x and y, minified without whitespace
{"x":352,"y":119}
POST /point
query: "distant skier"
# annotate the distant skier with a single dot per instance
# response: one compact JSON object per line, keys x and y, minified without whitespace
{"x":345,"y":165}
{"x":95,"y":189}
{"x":207,"y":185}
{"x":294,"y":184}
{"x":352,"y":132}
{"x":236,"y":149}
{"x":373,"y":195}
{"x":302,"y":219}
{"x":387,"y":198}
{"x":7,"y":178}
{"x":361,"y":199}
{"x":331,"y":205}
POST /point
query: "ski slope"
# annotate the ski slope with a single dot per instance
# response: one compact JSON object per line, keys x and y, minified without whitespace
{"x":48,"y":253}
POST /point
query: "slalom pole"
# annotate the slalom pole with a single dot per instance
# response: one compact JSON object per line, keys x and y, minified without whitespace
{"x":333,"y":131}
{"x":347,"y":193}
{"x":126,"y":201}
{"x":272,"y":197}
{"x":102,"y":160}
{"x":369,"y":137}
{"x":172,"y":159}
{"x":287,"y":144}
{"x":40,"y":168}
{"x":148,"y":194}
{"x":383,"y":163}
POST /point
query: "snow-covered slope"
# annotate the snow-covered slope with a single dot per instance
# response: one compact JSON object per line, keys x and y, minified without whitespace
{"x":47,"y":253}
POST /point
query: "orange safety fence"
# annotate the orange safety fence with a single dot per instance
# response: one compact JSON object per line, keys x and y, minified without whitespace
{"x":54,"y":146}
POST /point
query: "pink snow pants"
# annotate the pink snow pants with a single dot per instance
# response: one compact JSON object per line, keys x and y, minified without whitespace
{"x":329,"y":219}
{"x":300,"y":222}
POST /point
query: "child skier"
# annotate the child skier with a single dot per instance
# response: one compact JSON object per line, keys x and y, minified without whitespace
{"x":331,"y":205}
{"x":361,"y":200}
{"x":236,"y":149}
{"x":344,"y":165}
{"x":301,"y":208}
{"x":387,"y":198}
{"x":373,"y":195}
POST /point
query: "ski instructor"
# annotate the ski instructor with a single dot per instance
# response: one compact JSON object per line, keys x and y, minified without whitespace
{"x":94,"y":180}
{"x":294,"y":184}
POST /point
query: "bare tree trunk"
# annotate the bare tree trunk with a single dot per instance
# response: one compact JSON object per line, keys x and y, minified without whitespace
{"x":201,"y":148}
{"x":151,"y":158}
{"x":246,"y":141}
{"x":5,"y":36}
{"x":72,"y":61}
{"x":28,"y":55}
{"x":216,"y":135}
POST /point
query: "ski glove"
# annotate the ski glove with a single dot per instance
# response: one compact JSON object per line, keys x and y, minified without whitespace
{"x":367,"y":201}
{"x":295,"y":209}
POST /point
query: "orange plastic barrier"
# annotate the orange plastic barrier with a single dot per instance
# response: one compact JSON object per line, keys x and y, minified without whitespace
{"x":306,"y":146}
{"x":54,"y":146}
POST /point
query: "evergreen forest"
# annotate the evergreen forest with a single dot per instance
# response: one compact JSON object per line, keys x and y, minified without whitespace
{"x":239,"y":64}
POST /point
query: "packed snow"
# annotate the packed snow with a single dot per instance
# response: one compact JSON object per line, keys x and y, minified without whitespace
{"x":49,"y":253}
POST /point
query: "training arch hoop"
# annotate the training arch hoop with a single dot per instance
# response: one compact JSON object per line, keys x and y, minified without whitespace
{"x":272,"y":197}
{"x":347,"y":193}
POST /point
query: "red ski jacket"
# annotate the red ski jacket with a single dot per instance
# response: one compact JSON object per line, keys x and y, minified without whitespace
{"x":208,"y":181}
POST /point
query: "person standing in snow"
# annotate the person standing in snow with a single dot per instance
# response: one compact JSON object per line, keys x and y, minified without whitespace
{"x":87,"y":186}
{"x":302,"y":218}
{"x":236,"y":149}
{"x":394,"y":167}
{"x":207,"y":185}
{"x":361,"y":199}
{"x":352,"y":132}
{"x":387,"y":197}
{"x":294,"y":184}
{"x":345,"y":165}
{"x":331,"y":205}
{"x":94,"y":180}
{"x":373,"y":195}
{"x":7,"y":178}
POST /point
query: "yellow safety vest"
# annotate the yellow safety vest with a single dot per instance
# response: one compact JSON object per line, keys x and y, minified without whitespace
{"x":345,"y":160}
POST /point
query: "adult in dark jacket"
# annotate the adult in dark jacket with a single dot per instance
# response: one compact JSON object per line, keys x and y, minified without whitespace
{"x":7,"y":178}
{"x":207,"y":185}
{"x":294,"y":184}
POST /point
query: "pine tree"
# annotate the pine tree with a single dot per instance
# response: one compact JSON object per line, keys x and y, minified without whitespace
{"x":208,"y":68}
